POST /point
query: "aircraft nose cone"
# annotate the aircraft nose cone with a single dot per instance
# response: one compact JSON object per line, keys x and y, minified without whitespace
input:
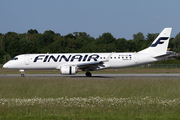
{"x":5,"y":65}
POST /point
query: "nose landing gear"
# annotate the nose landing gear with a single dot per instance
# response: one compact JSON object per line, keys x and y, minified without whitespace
{"x":22,"y":73}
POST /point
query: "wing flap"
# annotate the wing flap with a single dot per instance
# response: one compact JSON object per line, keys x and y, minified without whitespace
{"x":89,"y":63}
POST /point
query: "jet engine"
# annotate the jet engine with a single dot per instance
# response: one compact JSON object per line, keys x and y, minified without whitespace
{"x":68,"y":70}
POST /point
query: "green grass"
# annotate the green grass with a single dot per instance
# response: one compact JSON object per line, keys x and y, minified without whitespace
{"x":67,"y":98}
{"x":59,"y":87}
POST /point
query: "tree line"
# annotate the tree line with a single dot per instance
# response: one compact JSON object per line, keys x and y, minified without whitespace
{"x":12,"y":44}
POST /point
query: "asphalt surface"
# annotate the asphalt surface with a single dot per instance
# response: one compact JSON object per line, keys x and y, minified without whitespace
{"x":93,"y":75}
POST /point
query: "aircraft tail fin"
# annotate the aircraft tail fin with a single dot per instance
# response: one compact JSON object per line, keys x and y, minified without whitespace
{"x":160,"y":44}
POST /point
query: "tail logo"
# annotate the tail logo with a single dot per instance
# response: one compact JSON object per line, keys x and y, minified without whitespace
{"x":159,"y":41}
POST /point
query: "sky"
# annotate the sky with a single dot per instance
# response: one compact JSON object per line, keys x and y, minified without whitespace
{"x":121,"y":18}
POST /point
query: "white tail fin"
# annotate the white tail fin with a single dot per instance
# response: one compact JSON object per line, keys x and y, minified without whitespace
{"x":160,"y":44}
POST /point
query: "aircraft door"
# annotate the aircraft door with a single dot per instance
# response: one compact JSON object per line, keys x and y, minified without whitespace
{"x":27,"y":59}
{"x":136,"y":57}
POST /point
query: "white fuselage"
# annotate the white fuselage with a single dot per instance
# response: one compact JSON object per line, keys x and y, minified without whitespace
{"x":55,"y":61}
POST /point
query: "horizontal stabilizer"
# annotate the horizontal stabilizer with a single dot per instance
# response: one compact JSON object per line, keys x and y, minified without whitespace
{"x":168,"y":54}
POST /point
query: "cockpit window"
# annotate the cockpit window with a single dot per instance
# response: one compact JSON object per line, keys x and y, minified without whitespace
{"x":15,"y":58}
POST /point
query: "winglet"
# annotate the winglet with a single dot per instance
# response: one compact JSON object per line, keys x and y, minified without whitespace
{"x":108,"y":58}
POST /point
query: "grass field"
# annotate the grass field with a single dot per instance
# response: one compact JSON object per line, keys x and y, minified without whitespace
{"x":88,"y":99}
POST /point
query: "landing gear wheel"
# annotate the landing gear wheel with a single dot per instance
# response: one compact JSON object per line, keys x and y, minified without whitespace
{"x":22,"y":75}
{"x":88,"y":74}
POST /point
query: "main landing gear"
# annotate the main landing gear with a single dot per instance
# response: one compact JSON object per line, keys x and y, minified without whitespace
{"x":22,"y":73}
{"x":88,"y":74}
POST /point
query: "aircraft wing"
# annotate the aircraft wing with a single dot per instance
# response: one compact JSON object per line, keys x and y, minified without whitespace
{"x":93,"y":65}
{"x":88,"y":65}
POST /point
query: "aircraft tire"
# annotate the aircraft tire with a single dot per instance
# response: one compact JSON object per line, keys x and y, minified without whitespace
{"x":22,"y":75}
{"x":88,"y":74}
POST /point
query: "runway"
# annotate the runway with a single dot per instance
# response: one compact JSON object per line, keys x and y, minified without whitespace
{"x":94,"y":75}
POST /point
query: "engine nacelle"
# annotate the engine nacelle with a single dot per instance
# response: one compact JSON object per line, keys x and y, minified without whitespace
{"x":68,"y":70}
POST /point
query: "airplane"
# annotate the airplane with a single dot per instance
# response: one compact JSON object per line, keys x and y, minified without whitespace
{"x":69,"y":63}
